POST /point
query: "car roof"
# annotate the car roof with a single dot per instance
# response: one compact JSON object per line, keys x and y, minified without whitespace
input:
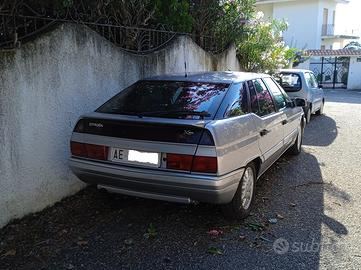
{"x":295,"y":70}
{"x":211,"y":76}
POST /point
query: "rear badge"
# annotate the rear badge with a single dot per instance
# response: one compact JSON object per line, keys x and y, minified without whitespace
{"x":188,"y":132}
{"x":98,"y":125}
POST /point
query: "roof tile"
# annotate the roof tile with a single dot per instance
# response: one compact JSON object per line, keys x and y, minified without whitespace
{"x":340,"y":52}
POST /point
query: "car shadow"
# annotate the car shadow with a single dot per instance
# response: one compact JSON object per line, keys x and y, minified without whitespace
{"x":321,"y":131}
{"x":94,"y":229}
{"x":295,"y":190}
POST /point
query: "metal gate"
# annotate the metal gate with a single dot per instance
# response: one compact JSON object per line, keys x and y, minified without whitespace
{"x":331,"y":72}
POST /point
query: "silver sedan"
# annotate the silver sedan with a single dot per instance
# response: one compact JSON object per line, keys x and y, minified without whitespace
{"x":203,"y":137}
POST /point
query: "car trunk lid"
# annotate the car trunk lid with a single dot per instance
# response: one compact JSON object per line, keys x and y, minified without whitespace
{"x":142,"y":142}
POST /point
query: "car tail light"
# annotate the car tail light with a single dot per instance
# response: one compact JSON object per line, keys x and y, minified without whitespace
{"x":92,"y":151}
{"x":192,"y":163}
{"x":78,"y":149}
{"x":96,"y":151}
{"x":179,"y":162}
{"x":204,"y":164}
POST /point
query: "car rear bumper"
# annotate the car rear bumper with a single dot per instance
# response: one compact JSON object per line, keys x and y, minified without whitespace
{"x":155,"y":184}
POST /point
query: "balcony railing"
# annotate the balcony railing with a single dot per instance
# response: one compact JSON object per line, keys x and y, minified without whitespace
{"x":330,"y":30}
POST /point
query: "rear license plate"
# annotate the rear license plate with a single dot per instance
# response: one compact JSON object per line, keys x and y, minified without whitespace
{"x":134,"y":157}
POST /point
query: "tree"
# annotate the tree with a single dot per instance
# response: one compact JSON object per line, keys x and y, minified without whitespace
{"x":205,"y":14}
{"x":213,"y":23}
{"x":221,"y":20}
{"x":353,"y":45}
{"x":234,"y":15}
{"x":259,"y":44}
{"x":261,"y":48}
{"x":175,"y":14}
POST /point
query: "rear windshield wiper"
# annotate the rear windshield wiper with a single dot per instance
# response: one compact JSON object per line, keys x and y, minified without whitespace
{"x":202,"y":114}
{"x":124,"y":113}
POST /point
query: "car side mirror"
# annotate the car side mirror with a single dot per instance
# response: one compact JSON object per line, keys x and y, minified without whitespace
{"x":290,"y":104}
{"x":300,"y":102}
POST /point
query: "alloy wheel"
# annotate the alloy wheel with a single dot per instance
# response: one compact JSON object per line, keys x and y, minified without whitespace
{"x":247,"y":188}
{"x":308,"y":116}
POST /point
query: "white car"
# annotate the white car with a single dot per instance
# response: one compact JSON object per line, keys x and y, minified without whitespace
{"x":302,"y":83}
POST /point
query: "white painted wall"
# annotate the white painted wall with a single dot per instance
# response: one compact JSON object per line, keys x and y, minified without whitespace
{"x":335,"y":43}
{"x":354,"y":75}
{"x":304,"y":30}
{"x":47,"y":84}
{"x":267,"y":10}
{"x":348,"y":17}
{"x":302,"y":17}
{"x":332,"y":43}
{"x":305,"y":19}
{"x":331,"y":5}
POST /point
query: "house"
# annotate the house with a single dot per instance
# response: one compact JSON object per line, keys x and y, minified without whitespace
{"x":313,"y":24}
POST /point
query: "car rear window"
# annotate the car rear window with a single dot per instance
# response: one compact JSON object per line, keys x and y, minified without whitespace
{"x":290,"y":82}
{"x":171,"y":99}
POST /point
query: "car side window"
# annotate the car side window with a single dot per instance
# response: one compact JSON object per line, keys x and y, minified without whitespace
{"x":261,"y":99}
{"x":311,"y":81}
{"x":239,"y":104}
{"x":277,"y":94}
{"x":253,"y":97}
{"x":313,"y":78}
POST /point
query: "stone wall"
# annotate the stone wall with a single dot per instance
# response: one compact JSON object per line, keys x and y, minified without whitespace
{"x":44,"y":87}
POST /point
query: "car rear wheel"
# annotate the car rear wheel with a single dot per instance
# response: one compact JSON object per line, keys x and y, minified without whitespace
{"x":296,"y":148}
{"x":242,"y":202}
{"x":320,"y":111}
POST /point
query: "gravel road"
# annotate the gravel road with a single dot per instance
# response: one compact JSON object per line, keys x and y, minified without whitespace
{"x":307,"y":216}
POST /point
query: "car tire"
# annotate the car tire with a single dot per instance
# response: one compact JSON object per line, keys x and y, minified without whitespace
{"x":296,"y":148}
{"x":308,"y":113}
{"x":320,"y":111}
{"x":242,"y":202}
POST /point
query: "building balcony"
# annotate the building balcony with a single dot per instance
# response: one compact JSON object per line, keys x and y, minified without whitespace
{"x":331,"y":31}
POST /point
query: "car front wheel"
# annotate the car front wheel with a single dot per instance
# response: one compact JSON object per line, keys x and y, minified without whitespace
{"x":320,"y":111}
{"x":242,"y":202}
{"x":308,"y":113}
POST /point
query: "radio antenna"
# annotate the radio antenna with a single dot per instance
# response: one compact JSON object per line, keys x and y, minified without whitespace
{"x":185,"y":69}
{"x":185,"y":61}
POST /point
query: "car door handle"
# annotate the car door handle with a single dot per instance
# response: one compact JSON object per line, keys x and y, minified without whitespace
{"x":264,"y":132}
{"x":284,"y":122}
